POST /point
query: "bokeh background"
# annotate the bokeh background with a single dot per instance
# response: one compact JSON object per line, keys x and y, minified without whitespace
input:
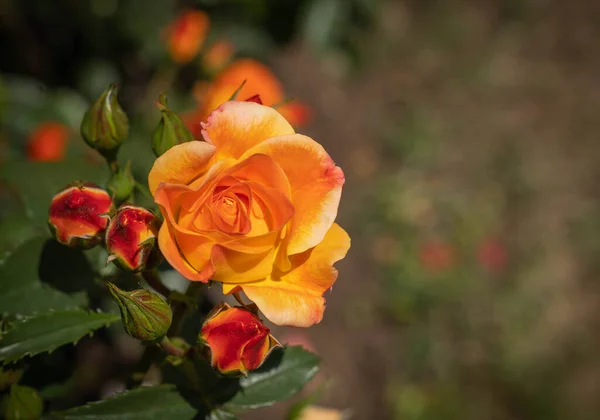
{"x":468,"y":132}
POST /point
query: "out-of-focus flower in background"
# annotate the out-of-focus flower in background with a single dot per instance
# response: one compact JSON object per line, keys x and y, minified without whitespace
{"x":186,"y":34}
{"x":436,"y":255}
{"x":48,"y":142}
{"x":217,"y":56}
{"x":258,"y":79}
{"x":492,"y":255}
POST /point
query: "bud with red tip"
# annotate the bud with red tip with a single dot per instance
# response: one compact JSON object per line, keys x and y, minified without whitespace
{"x":146,"y":316}
{"x":76,"y":215}
{"x":105,"y":125}
{"x":236,"y":340}
{"x":131,"y":238}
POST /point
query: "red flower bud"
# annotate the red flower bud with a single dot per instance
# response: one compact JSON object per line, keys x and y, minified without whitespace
{"x":236,"y":340}
{"x":47,"y":143}
{"x":131,"y":237}
{"x":76,"y":215}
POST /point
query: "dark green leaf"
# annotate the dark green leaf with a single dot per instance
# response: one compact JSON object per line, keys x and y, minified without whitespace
{"x":144,"y":403}
{"x":37,"y":182}
{"x":46,"y":332}
{"x":285,"y":373}
{"x":21,"y":290}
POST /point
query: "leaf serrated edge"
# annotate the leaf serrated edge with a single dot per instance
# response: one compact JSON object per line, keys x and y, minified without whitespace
{"x":91,"y":405}
{"x":48,"y":313}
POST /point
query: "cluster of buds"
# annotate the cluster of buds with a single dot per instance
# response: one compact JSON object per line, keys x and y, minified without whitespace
{"x":84,"y":215}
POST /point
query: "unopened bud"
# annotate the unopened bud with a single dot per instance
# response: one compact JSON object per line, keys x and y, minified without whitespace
{"x":9,"y":376}
{"x":105,"y":125}
{"x":121,"y":184}
{"x":131,"y":239}
{"x":170,"y":131}
{"x":22,"y":403}
{"x":77,"y":215}
{"x":146,"y":316}
{"x":235,"y":340}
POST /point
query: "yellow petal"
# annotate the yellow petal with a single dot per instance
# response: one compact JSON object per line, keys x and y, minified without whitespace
{"x":181,"y":164}
{"x":296,"y":297}
{"x":236,"y":126}
{"x":316,"y":185}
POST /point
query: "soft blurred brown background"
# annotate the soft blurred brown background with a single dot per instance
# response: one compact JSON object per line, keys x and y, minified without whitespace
{"x":468,"y":133}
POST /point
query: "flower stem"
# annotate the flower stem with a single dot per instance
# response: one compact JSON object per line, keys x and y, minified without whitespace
{"x":181,"y":309}
{"x":153,"y":279}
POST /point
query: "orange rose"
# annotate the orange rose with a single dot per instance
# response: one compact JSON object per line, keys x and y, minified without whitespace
{"x":260,"y":80}
{"x":186,"y":35}
{"x":253,"y":207}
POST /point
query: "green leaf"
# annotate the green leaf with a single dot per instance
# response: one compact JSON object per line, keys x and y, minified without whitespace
{"x":37,"y":182}
{"x":144,"y":403}
{"x":283,"y":374}
{"x":22,"y":293}
{"x":48,"y":331}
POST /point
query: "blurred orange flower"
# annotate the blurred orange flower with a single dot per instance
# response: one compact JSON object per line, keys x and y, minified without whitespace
{"x":253,"y":207}
{"x":436,"y":255}
{"x":259,"y":79}
{"x":48,"y":142}
{"x":186,"y":34}
{"x":217,"y":56}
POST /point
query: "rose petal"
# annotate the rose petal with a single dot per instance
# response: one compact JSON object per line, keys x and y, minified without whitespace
{"x":172,"y":254}
{"x":296,"y":298}
{"x":236,"y":126}
{"x":316,"y":185}
{"x":240,"y":267}
{"x":181,"y":164}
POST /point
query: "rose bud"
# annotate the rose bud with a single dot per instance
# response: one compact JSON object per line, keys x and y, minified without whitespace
{"x":235,"y":339}
{"x":22,"y":402}
{"x":105,"y":125}
{"x":47,"y":143}
{"x":121,"y":184}
{"x":170,"y":130}
{"x":186,"y":34}
{"x":76,"y":215}
{"x":131,"y":237}
{"x":9,"y":376}
{"x":146,"y":315}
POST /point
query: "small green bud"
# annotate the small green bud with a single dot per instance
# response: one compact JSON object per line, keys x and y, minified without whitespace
{"x":9,"y":376}
{"x":105,"y":125}
{"x":145,"y":315}
{"x":121,"y":184}
{"x":170,"y":131}
{"x":22,"y":403}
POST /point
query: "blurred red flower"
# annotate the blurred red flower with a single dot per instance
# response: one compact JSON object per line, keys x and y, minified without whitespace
{"x":48,"y":142}
{"x":436,"y":255}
